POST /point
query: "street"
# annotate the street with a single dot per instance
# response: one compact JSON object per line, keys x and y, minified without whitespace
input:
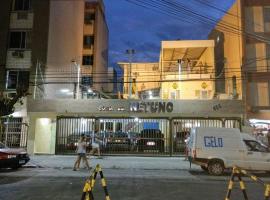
{"x":123,"y":182}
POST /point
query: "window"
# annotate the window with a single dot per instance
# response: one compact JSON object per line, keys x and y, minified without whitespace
{"x":22,"y":5}
{"x":88,"y":41}
{"x":17,"y":79}
{"x":88,"y":60}
{"x":89,"y":17}
{"x":255,"y":146}
{"x":87,"y":81}
{"x":19,"y":40}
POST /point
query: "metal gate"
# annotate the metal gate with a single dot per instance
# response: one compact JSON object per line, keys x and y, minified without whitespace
{"x":114,"y":135}
{"x":69,"y":130}
{"x":134,"y":136}
{"x":141,"y":136}
{"x":13,"y":132}
{"x":181,"y":128}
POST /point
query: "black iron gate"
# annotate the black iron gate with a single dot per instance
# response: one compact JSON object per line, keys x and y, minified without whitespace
{"x":134,"y":135}
{"x":143,"y":136}
{"x":69,"y":130}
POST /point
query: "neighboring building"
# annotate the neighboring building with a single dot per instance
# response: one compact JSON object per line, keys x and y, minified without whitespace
{"x":186,"y":71}
{"x":40,"y":39}
{"x":257,"y":57}
{"x":229,"y":52}
{"x":242,"y":41}
{"x":145,"y":78}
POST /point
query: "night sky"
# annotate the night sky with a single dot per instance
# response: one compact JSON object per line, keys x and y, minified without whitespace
{"x":142,"y":29}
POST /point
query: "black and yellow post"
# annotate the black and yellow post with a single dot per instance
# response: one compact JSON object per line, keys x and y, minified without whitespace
{"x":90,"y":183}
{"x":230,"y":186}
{"x":236,"y":173}
{"x":267,"y":192}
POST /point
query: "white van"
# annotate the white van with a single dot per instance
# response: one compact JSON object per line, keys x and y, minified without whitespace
{"x":215,"y":149}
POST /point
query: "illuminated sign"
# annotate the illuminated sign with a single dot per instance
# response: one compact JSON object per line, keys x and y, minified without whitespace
{"x":143,"y":107}
{"x":152,"y":107}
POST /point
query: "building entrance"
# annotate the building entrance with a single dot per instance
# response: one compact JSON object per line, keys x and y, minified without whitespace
{"x":134,"y":136}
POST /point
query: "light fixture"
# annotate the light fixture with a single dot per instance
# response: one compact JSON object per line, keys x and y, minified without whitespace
{"x":90,"y":90}
{"x":64,"y":90}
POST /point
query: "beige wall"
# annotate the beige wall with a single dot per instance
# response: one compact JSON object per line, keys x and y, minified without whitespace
{"x":233,"y":47}
{"x":65,"y":43}
{"x":41,"y":133}
{"x":45,"y":135}
{"x":188,"y":90}
{"x":100,"y":50}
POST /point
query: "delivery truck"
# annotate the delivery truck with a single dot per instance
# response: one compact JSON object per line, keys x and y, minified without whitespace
{"x":217,"y":149}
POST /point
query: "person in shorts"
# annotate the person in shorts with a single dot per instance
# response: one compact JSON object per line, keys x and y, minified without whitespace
{"x":95,"y":145}
{"x":81,"y":151}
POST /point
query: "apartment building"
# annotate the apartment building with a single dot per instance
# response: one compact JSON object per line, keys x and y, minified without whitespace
{"x":257,"y":57}
{"x":242,"y":49}
{"x":54,"y":46}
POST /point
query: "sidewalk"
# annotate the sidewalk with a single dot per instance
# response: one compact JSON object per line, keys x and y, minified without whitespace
{"x":113,"y":162}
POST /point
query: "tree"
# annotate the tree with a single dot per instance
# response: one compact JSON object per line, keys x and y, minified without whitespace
{"x":7,"y":104}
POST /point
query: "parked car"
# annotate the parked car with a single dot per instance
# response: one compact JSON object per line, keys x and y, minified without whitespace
{"x":151,"y":140}
{"x":118,"y":141}
{"x":12,"y":158}
{"x":179,"y":144}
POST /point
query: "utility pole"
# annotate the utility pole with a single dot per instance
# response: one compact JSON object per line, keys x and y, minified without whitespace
{"x":180,"y":62}
{"x":78,"y":77}
{"x":130,"y":53}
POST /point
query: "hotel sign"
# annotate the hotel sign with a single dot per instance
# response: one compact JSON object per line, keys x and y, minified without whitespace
{"x":141,"y":107}
{"x":151,"y":107}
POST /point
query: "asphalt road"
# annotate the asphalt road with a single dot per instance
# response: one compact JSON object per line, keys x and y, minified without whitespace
{"x":63,"y":184}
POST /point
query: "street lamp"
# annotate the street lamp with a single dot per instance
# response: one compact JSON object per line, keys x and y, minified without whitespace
{"x":130,"y":53}
{"x":78,"y":77}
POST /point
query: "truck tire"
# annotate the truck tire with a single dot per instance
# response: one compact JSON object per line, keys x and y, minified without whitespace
{"x":204,"y":168}
{"x":216,"y":167}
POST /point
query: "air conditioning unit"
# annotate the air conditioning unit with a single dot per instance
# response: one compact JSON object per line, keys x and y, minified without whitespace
{"x":18,"y":54}
{"x":22,"y":15}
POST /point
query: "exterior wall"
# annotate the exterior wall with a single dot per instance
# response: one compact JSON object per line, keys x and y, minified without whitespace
{"x":65,"y":44}
{"x":40,"y":32}
{"x":233,"y":48}
{"x":100,"y":50}
{"x":41,"y":133}
{"x":45,"y":136}
{"x":188,"y":90}
{"x":111,"y":108}
{"x":5,"y":10}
